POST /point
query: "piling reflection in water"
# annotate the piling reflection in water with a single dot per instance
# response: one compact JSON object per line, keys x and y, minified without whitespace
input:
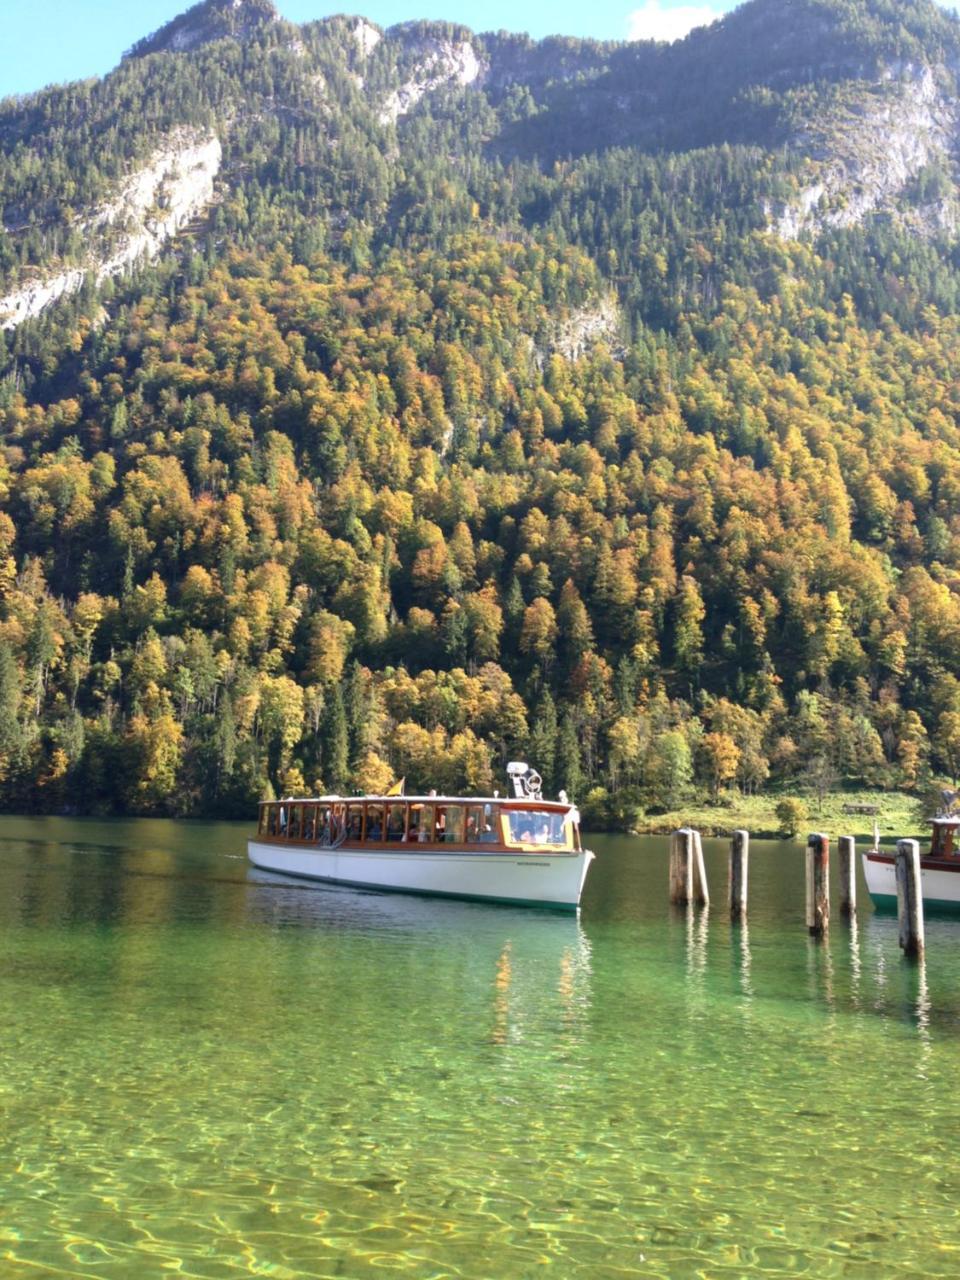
{"x":856,"y":964}
{"x":820,"y":972}
{"x":922,"y":1007}
{"x":742,"y":951}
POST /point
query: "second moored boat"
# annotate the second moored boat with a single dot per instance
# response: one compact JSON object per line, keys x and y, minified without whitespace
{"x":939,"y":866}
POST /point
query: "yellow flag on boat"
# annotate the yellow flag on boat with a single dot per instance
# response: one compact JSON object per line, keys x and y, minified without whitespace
{"x":397,"y":788}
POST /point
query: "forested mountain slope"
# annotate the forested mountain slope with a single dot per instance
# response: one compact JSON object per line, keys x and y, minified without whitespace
{"x":380,"y":403}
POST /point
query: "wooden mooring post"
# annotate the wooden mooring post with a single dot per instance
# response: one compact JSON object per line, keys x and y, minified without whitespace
{"x":739,"y":861}
{"x":909,"y":897}
{"x":688,"y":876}
{"x":818,"y":884}
{"x":848,"y":876}
{"x":701,"y":894}
{"x":681,"y":866}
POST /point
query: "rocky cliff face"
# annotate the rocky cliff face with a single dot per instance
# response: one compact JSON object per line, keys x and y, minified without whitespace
{"x":588,"y":325}
{"x":152,"y":206}
{"x":366,"y":35}
{"x":870,"y":156}
{"x":439,"y":63}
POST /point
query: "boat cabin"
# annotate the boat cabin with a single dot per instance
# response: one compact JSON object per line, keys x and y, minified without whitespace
{"x":943,"y":840}
{"x":530,"y":826}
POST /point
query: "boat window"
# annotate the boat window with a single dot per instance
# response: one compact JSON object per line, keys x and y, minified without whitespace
{"x":450,"y":820}
{"x":421,"y":823}
{"x":490,"y":825}
{"x":374,"y":823}
{"x":942,"y":840}
{"x":293,"y":823}
{"x":284,"y":817}
{"x":323,"y":832}
{"x":337,"y":819}
{"x":396,"y":821}
{"x":309,"y":816}
{"x":426,"y":824}
{"x":271,"y":819}
{"x":535,"y":827}
{"x":474,"y":821}
{"x":354,"y":821}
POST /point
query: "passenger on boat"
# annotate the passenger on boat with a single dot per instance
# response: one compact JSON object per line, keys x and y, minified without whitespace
{"x":374,"y":831}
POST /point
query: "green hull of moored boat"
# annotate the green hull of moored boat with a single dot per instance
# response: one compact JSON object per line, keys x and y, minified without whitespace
{"x":886,"y":903}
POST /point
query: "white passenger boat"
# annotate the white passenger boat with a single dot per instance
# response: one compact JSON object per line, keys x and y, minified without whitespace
{"x":521,"y":849}
{"x":939,"y":869}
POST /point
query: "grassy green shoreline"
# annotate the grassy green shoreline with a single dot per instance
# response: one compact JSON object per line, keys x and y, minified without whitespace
{"x":897,"y":816}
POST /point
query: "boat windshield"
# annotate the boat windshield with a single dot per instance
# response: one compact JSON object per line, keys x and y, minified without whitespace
{"x":535,"y":826}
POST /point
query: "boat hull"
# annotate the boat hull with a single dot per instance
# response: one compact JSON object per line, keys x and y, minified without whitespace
{"x":939,"y":885}
{"x":542,"y":879}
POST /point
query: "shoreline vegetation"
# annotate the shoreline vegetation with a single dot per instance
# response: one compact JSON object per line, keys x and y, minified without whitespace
{"x":898,"y":815}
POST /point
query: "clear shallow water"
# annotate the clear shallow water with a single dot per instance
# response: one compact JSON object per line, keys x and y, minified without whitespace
{"x":209,"y":1072}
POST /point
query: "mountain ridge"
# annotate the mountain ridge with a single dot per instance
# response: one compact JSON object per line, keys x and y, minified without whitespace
{"x":591,"y":95}
{"x":206,"y":22}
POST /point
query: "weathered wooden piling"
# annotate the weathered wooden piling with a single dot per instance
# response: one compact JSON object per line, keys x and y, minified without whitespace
{"x":701,"y":894}
{"x":739,"y":860}
{"x":818,"y":884}
{"x":848,"y":876}
{"x":909,"y":897}
{"x":681,"y":866}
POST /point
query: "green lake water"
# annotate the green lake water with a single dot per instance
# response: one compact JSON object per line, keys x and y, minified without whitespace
{"x":208,"y":1072}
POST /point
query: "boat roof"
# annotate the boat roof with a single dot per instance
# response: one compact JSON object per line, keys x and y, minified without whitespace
{"x":531,"y":802}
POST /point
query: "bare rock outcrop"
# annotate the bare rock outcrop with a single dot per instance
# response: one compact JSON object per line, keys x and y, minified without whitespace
{"x":440,"y":63}
{"x":868,"y":156}
{"x":584,"y":327}
{"x":151,"y":207}
{"x":367,"y":36}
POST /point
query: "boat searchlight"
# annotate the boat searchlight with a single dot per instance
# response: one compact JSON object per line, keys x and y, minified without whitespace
{"x":527,"y":783}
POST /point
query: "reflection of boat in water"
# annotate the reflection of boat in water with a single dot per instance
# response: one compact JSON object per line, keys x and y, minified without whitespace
{"x":530,"y":971}
{"x":523,"y":850}
{"x":294,"y":901}
{"x":939,"y":867}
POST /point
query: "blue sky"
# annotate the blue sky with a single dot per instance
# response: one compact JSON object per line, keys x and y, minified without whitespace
{"x":48,"y":41}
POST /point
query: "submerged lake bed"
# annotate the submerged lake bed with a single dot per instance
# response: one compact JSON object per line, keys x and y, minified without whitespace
{"x":212,"y":1072}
